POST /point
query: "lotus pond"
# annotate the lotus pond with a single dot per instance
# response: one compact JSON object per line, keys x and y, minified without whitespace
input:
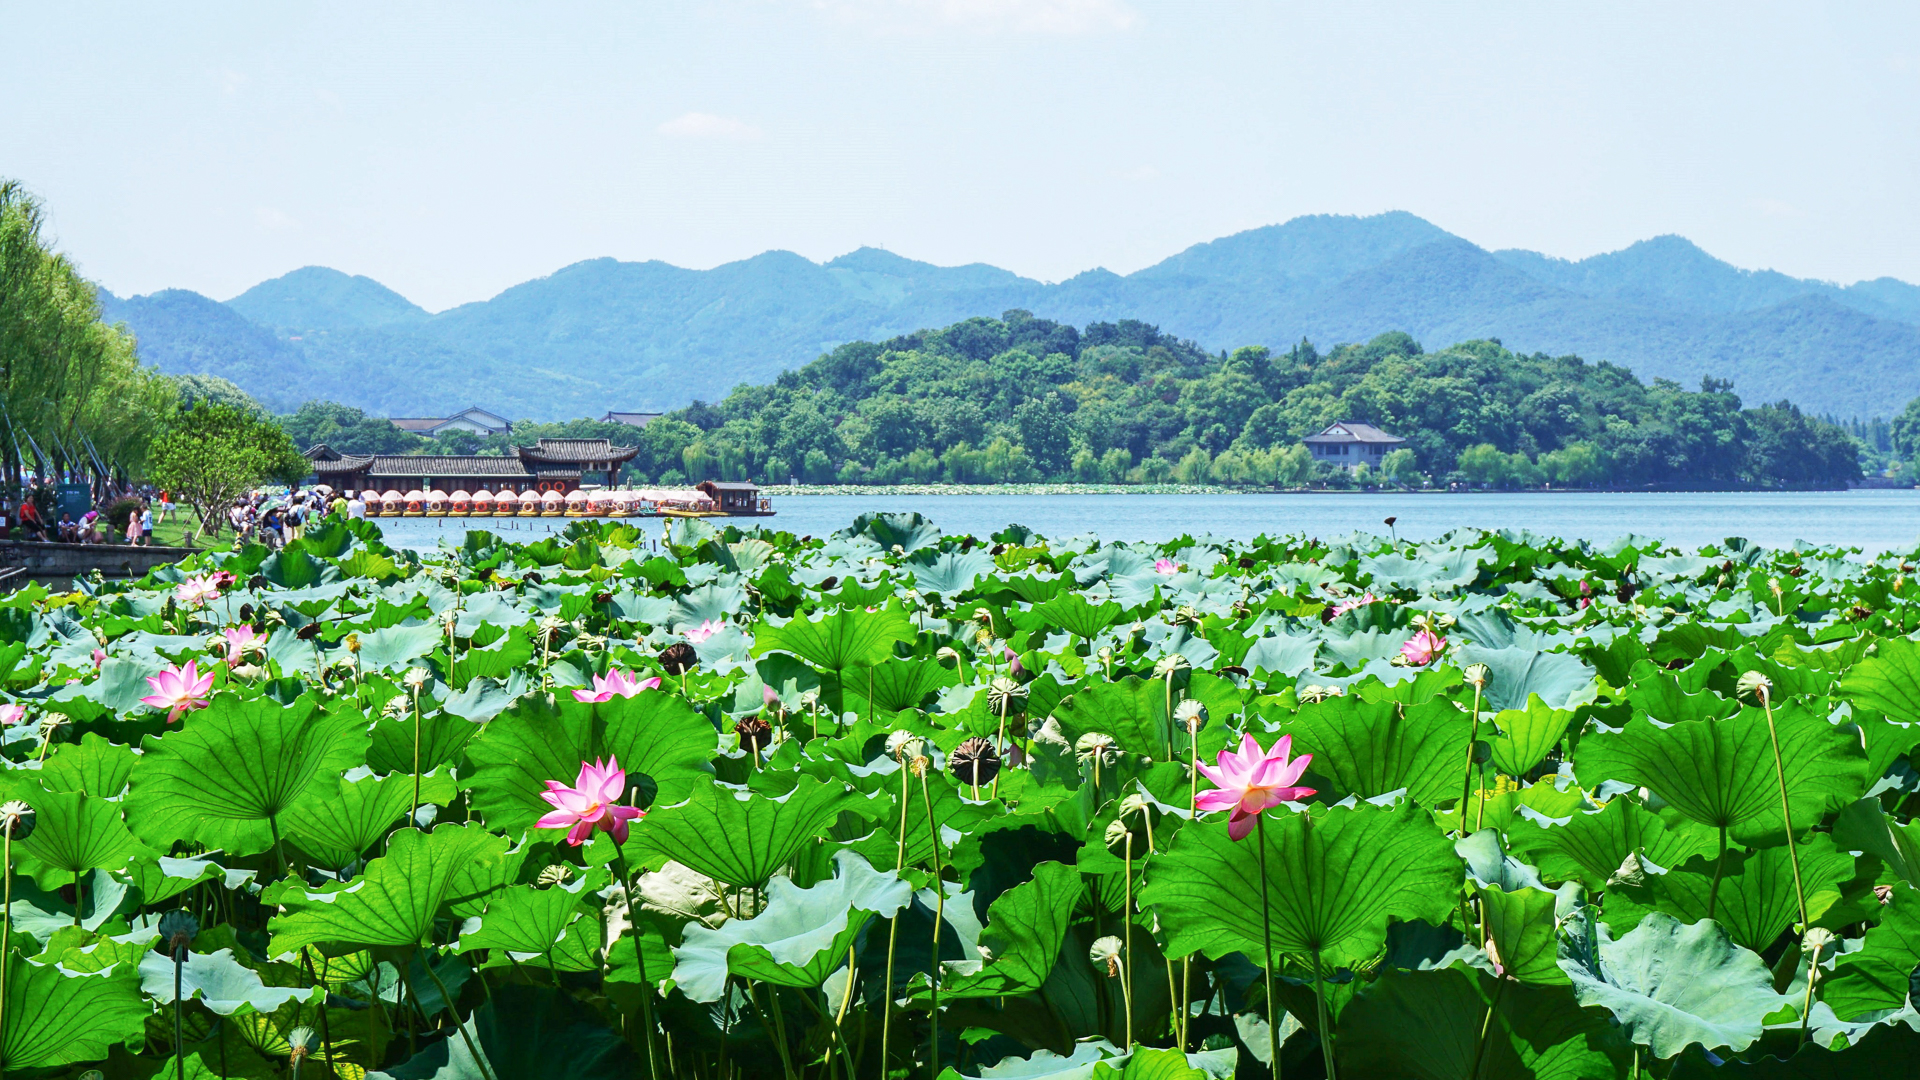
{"x":894,"y":803}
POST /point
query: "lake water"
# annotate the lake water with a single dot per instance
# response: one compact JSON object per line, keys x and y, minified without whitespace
{"x":1875,"y":521}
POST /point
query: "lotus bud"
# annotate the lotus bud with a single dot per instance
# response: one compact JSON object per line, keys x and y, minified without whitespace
{"x":903,"y":745}
{"x":1755,"y":685}
{"x":1476,"y":675}
{"x":974,"y":762}
{"x":557,"y":874}
{"x":678,"y":658}
{"x":1006,"y":697}
{"x":1096,"y":746}
{"x":755,"y":734}
{"x":1105,"y":955}
{"x":1191,"y":714}
{"x":1169,"y":664}
{"x":769,"y":697}
{"x":179,"y":928}
{"x":16,"y":819}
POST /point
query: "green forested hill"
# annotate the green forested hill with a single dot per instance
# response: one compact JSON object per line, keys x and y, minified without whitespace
{"x":604,"y":334}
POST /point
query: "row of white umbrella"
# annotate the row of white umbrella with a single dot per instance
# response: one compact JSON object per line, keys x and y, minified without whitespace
{"x":591,"y":503}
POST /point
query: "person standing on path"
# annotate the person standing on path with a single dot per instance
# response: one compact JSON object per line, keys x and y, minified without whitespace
{"x":146,"y":524}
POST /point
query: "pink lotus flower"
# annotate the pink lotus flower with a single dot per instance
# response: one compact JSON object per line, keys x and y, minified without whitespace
{"x":1251,"y":781}
{"x":224,"y":579}
{"x":11,"y":714}
{"x":592,"y":803}
{"x":769,"y":696}
{"x":179,"y":690}
{"x":1165,"y":566}
{"x":1352,"y":602}
{"x":704,"y":631}
{"x":197,"y":591}
{"x":99,"y":658}
{"x":615,"y":682}
{"x":239,"y":640}
{"x":1423,"y":648}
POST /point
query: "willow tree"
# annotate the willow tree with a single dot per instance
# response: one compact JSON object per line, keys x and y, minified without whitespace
{"x":73,"y":394}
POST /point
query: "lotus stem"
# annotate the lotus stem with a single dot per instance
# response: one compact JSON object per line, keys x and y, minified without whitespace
{"x":1786,"y":810}
{"x":1266,"y":945}
{"x":999,"y":747}
{"x":6,"y":931}
{"x":1486,"y":1024}
{"x":1813,"y":971}
{"x":1466,"y":784}
{"x":486,"y":1070}
{"x":939,"y":916}
{"x":893,"y":926}
{"x":1320,"y":1016}
{"x":1126,"y":982}
{"x":1170,"y":714}
{"x":780,"y":1040}
{"x":179,"y":1061}
{"x":1719,"y":868}
{"x":627,"y":885}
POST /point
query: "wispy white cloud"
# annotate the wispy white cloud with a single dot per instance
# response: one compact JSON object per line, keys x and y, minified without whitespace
{"x":699,"y":125}
{"x":268,"y":218}
{"x":1021,"y":16}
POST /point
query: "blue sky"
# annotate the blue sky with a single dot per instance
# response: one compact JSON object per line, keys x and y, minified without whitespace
{"x":453,"y":149}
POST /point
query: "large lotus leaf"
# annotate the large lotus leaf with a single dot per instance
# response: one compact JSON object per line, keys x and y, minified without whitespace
{"x":1888,"y":683}
{"x":894,"y":684}
{"x":1432,"y":571}
{"x":654,"y":734}
{"x":949,"y":573}
{"x":441,"y":734}
{"x":74,"y":833}
{"x":46,"y":914}
{"x":1025,"y":928}
{"x":1526,"y":735}
{"x":161,"y":879}
{"x":1281,"y":654}
{"x":219,"y":981}
{"x":295,"y":569}
{"x":1356,"y":650}
{"x":837,"y":640}
{"x":1865,"y":827}
{"x":712,"y":602}
{"x":740,"y":837}
{"x":798,"y":939}
{"x":909,"y":532}
{"x":546,"y":926}
{"x":1880,"y":974}
{"x":1426,"y":1025}
{"x":1071,"y":612}
{"x":1132,"y":710}
{"x":1368,"y":748}
{"x":336,"y":832}
{"x":1590,"y":846}
{"x":1522,"y":929}
{"x":121,"y":685}
{"x":1047,"y":1065}
{"x":93,"y":765}
{"x":396,"y":647}
{"x":1672,"y":986}
{"x":395,"y":901}
{"x":1335,"y":877}
{"x":55,"y":1017}
{"x":527,"y":1033}
{"x":1721,"y":772}
{"x":1756,"y":902}
{"x":1148,"y":1063}
{"x":236,"y":767}
{"x":1886,"y":1051}
{"x":1562,"y":680}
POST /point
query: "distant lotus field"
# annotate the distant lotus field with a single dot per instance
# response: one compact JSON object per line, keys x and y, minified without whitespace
{"x":717,"y":802}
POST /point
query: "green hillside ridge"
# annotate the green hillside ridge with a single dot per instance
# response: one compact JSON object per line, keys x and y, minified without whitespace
{"x":603,"y":333}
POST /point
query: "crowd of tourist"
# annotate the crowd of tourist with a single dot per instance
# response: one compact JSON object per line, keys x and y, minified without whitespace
{"x":127,"y":514}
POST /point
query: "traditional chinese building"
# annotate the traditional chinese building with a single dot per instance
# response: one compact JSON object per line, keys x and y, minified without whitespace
{"x":1347,"y":444}
{"x":549,"y":465}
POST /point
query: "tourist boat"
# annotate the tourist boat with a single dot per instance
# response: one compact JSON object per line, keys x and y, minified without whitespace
{"x":506,"y":503}
{"x":529,"y":503}
{"x":436,"y":502}
{"x":482,"y":504}
{"x":601,"y":504}
{"x":372,"y":499}
{"x":391,"y":503}
{"x":553,"y":504}
{"x":416,"y":501}
{"x":459,"y":504}
{"x":576,"y":504}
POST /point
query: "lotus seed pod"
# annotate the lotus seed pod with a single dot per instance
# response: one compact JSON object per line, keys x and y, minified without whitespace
{"x":904,"y":745}
{"x":1096,"y":746}
{"x":1818,"y":939}
{"x":974,"y":762}
{"x":755,"y":734}
{"x":1192,"y":714}
{"x":416,"y":678}
{"x":1105,"y":955}
{"x":678,"y":658}
{"x":1755,"y":685}
{"x":179,"y":929}
{"x":17,"y":819}
{"x":1476,"y":675}
{"x":299,"y":1043}
{"x":1116,"y":837}
{"x":947,"y":652}
{"x":1169,"y":664}
{"x":1136,"y":804}
{"x":1005,"y":696}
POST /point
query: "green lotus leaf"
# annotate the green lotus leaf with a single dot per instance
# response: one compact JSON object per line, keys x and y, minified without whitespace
{"x":1591,"y":845}
{"x":1071,"y":612}
{"x":526,"y":1033}
{"x":1886,"y":1050}
{"x":909,"y":532}
{"x":219,"y":981}
{"x":295,"y":569}
{"x":1281,"y":654}
{"x":226,"y":777}
{"x":543,"y":926}
{"x":1433,"y":571}
{"x":712,"y":602}
{"x":1672,"y":986}
{"x":74,"y":834}
{"x":1888,"y":682}
{"x":337,"y":832}
{"x":46,"y":914}
{"x":1425,"y":1025}
{"x":949,"y":573}
{"x":1334,"y":877}
{"x":798,"y":939}
{"x":1047,"y":1065}
{"x":1370,"y":748}
{"x":160,"y":879}
{"x":394,"y":647}
{"x":1755,"y":902}
{"x":1148,"y":1063}
{"x":1526,"y":735}
{"x":1879,"y":975}
{"x":737,"y":836}
{"x":654,"y":734}
{"x":443,"y":735}
{"x":1721,"y":772}
{"x":93,"y":765}
{"x":55,"y":1017}
{"x":840,"y":639}
{"x":1522,"y":929}
{"x":894,"y":684}
{"x":1561,"y":680}
{"x":395,"y":901}
{"x":1025,"y":928}
{"x":1865,"y":827}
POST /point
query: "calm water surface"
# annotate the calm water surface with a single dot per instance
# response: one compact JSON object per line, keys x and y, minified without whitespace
{"x":1872,"y":520}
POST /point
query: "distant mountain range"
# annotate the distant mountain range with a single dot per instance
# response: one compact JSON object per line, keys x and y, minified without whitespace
{"x":604,"y":334}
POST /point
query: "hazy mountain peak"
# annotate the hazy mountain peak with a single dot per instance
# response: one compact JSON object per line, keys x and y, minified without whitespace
{"x":321,"y":298}
{"x":1318,"y":248}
